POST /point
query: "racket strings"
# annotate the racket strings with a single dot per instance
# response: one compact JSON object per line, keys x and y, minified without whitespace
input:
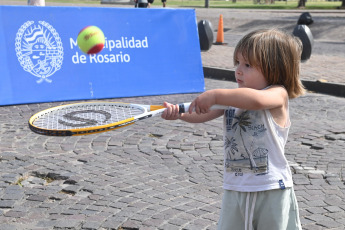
{"x":86,"y":116}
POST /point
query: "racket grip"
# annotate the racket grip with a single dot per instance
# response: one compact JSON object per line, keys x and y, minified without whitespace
{"x":184,"y":107}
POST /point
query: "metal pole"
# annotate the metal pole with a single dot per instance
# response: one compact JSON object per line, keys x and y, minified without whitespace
{"x":206,"y":3}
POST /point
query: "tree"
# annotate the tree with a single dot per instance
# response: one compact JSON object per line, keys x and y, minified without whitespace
{"x":301,"y":3}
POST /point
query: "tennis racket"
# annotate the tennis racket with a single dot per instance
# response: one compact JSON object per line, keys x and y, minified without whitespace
{"x":94,"y":117}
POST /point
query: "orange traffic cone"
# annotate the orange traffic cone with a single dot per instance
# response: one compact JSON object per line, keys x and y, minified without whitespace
{"x":220,"y":33}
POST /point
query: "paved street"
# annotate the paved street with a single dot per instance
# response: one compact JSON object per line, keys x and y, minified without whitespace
{"x":167,"y":175}
{"x":328,"y":52}
{"x":158,"y":174}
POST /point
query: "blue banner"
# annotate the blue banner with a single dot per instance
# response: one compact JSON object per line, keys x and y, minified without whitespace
{"x":146,"y":52}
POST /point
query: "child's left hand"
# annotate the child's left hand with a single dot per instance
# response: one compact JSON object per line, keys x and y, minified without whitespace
{"x":203,"y":102}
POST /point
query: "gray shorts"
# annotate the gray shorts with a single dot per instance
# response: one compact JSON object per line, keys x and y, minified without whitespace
{"x":273,"y":209}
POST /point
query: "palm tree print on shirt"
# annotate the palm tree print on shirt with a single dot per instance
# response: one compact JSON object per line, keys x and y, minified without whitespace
{"x":244,"y":146}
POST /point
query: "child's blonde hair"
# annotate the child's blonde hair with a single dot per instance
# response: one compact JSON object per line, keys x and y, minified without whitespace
{"x":277,"y":55}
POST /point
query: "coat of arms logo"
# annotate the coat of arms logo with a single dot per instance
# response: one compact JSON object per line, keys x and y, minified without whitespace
{"x":39,"y":49}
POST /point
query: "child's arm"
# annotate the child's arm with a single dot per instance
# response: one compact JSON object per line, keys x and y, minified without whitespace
{"x":172,"y":113}
{"x":244,"y":98}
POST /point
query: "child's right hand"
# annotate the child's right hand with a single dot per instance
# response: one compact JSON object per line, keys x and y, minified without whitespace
{"x":172,"y":112}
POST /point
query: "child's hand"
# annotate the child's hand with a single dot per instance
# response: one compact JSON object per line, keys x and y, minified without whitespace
{"x":172,"y":112}
{"x":203,"y":102}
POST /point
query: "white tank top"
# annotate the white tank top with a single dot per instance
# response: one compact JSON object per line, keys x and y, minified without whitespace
{"x":254,"y":151}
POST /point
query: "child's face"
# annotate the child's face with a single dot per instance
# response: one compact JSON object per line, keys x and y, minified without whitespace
{"x":248,"y":76}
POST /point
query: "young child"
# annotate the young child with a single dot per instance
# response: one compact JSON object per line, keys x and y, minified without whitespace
{"x":258,"y":186}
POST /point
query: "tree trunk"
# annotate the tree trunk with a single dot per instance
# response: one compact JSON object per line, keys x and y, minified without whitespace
{"x":36,"y":2}
{"x":301,"y":3}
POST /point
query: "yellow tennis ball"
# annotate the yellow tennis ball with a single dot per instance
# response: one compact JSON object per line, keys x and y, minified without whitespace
{"x":91,"y":40}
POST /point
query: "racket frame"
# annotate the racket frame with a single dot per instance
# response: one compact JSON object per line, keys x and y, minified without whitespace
{"x":148,"y":111}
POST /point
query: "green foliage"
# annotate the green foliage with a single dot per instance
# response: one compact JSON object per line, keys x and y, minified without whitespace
{"x":240,"y":4}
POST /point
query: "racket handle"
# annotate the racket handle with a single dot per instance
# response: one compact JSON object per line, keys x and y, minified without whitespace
{"x":184,"y":107}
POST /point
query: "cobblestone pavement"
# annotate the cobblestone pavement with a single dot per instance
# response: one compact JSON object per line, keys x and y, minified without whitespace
{"x":162,"y":174}
{"x":328,"y":29}
{"x":158,"y":174}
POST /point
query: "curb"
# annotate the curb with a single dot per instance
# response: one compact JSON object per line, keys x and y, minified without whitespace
{"x":333,"y":89}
